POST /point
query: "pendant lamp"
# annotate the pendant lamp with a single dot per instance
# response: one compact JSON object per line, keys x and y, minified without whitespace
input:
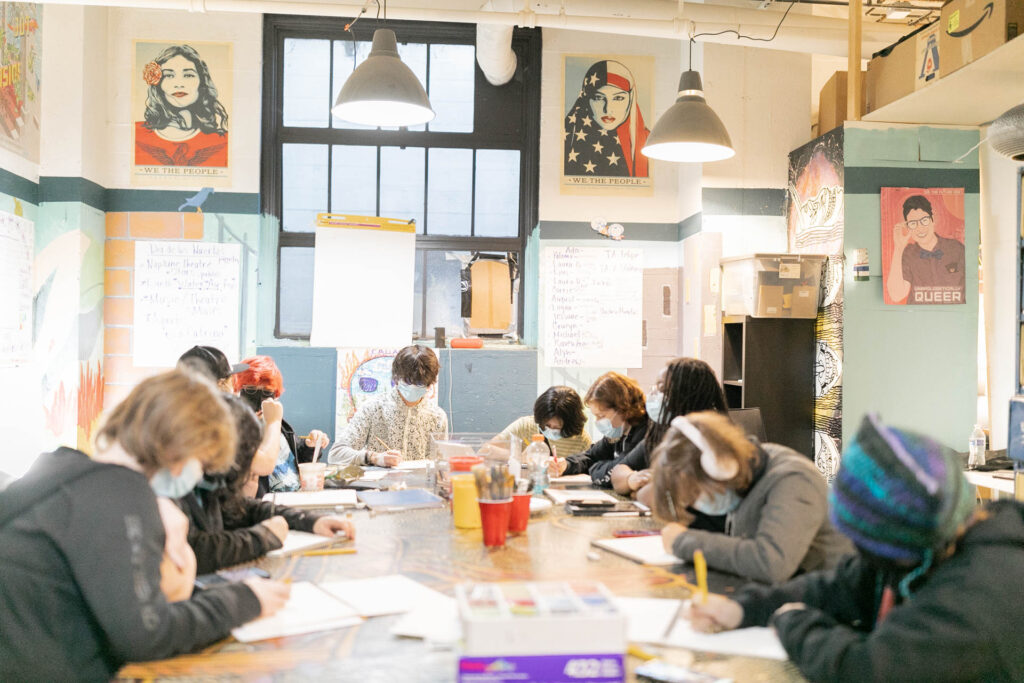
{"x":383,"y":91}
{"x":690,"y":130}
{"x":1006,"y":134}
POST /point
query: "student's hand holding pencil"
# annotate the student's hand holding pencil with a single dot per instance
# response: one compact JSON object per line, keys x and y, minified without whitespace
{"x":716,"y":613}
{"x":669,"y":533}
{"x":278,"y":525}
{"x":334,"y":526}
{"x":317,"y":438}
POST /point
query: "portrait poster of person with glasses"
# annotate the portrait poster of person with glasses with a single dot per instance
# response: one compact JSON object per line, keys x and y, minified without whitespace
{"x":923,"y":246}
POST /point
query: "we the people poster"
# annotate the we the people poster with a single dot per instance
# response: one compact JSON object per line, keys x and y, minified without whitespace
{"x":923,"y":245}
{"x":181,"y":109}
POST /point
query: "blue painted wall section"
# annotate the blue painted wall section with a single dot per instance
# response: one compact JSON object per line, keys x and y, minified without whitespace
{"x":489,"y":388}
{"x":310,"y":380}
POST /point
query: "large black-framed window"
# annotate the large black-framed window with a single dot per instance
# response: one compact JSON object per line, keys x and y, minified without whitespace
{"x":469,"y":178}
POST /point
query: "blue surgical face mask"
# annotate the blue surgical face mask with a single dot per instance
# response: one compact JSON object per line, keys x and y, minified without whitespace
{"x":168,"y":485}
{"x":717,"y":504}
{"x":604,"y":425}
{"x":654,"y":400}
{"x":551,"y":434}
{"x":411,"y":392}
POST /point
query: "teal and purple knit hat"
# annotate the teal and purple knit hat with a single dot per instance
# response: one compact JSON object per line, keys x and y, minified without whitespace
{"x":899,"y":495}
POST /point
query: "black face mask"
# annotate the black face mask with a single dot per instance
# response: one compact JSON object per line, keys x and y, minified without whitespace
{"x":255,"y":396}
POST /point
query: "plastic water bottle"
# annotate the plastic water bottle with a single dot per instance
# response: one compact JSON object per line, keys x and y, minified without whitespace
{"x":536,"y":457}
{"x":976,"y":449}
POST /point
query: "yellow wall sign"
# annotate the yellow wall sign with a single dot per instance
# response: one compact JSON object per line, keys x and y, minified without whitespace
{"x":341,"y":220}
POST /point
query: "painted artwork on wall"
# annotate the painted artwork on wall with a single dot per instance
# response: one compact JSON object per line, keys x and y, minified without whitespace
{"x":21,"y":67}
{"x":607,"y":106}
{"x":181,"y":106}
{"x":364,"y":374}
{"x":923,"y":245}
{"x":815,"y":226}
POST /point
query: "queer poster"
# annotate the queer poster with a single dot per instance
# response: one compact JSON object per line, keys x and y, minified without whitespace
{"x":181,"y":114}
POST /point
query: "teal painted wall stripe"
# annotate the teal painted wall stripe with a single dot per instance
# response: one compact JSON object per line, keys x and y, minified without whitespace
{"x":743,"y":201}
{"x":870,"y":179}
{"x":691,"y":225}
{"x":18,"y":187}
{"x":71,"y":189}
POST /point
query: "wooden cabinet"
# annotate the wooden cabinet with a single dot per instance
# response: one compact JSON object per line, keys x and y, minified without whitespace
{"x":768,"y":363}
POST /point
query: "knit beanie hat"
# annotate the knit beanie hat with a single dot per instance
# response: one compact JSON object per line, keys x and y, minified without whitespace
{"x":899,"y":495}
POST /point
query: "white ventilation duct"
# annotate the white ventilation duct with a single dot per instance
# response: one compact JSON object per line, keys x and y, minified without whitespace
{"x":494,"y":52}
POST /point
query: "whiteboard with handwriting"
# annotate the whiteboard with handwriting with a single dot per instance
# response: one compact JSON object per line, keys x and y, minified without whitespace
{"x":186,"y":293}
{"x":16,"y":288}
{"x":593,"y":299}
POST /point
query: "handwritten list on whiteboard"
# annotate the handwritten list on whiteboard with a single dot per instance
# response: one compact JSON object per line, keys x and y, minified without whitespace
{"x":186,"y":293}
{"x":16,"y":288}
{"x":593,"y":298}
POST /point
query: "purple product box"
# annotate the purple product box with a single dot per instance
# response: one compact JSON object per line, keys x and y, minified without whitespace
{"x":592,"y":668}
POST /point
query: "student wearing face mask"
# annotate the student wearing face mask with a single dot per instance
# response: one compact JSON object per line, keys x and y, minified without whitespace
{"x":263,"y":382}
{"x":81,"y":542}
{"x":397,"y":425}
{"x":617,"y":403}
{"x":558,"y":415}
{"x":774,"y":499}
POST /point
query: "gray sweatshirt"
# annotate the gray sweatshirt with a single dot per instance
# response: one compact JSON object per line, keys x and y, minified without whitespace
{"x":780,"y":526}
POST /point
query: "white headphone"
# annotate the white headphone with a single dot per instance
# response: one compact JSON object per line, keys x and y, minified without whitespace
{"x":719,"y":470}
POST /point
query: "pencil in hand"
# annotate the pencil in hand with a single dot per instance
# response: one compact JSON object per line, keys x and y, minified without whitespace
{"x":700,"y":568}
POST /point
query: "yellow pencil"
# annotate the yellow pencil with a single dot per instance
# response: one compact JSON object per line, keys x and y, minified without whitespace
{"x":639,"y":653}
{"x":332,"y":551}
{"x":381,"y":442}
{"x":700,"y":568}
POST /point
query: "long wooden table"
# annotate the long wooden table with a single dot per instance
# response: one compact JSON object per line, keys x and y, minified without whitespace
{"x":424,"y":546}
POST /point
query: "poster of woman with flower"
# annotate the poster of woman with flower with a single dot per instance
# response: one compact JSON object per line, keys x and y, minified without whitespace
{"x":181,"y":97}
{"x":607,"y":104}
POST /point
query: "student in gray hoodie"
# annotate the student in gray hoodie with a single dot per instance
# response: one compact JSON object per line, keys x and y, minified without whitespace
{"x":774,"y":500}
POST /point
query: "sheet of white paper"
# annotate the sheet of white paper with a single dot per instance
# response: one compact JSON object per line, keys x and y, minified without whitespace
{"x":411,"y":465}
{"x":309,"y":609}
{"x":647,"y":619}
{"x":298,"y":541}
{"x":559,"y":496}
{"x":373,"y":597}
{"x":315,"y":499}
{"x":572,"y":479}
{"x":642,"y":549}
{"x":436,"y":621}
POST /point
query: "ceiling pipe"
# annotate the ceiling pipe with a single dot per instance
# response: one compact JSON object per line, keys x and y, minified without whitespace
{"x":494,"y":51}
{"x":800,"y":33}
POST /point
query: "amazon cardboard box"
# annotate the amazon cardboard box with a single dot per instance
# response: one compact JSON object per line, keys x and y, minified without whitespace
{"x":832,"y":102}
{"x":898,"y":70}
{"x":973,"y":28}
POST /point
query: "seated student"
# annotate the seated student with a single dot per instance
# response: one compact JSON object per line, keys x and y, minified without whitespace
{"x":684,"y":385}
{"x":81,"y":542}
{"x":263,"y":381}
{"x":213,"y":362}
{"x":227,"y":527}
{"x":929,"y":594}
{"x":397,"y":425}
{"x":617,"y":403}
{"x":558,"y":415}
{"x":774,"y":499}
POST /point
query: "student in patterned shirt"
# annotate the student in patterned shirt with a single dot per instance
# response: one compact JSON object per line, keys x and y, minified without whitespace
{"x":397,"y":425}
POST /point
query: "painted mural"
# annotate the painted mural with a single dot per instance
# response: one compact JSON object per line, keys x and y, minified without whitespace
{"x":181,"y":101}
{"x":815,"y":226}
{"x":364,"y":374}
{"x":21,"y":67}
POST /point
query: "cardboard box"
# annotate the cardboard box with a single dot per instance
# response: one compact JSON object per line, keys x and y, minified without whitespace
{"x":973,"y":28}
{"x":769,"y":302}
{"x":898,"y":70}
{"x":804,"y":302}
{"x":832,"y":103}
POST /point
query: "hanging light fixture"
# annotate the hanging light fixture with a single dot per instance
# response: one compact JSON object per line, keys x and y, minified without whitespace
{"x":383,"y":91}
{"x":690,"y":130}
{"x":1006,"y":134}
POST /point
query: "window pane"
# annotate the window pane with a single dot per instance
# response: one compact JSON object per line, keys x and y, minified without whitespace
{"x":414,"y":56}
{"x":452,"y":72}
{"x":417,"y":296}
{"x":296,"y":295}
{"x":303,"y":186}
{"x":444,"y":291}
{"x":343,"y":66}
{"x":307,"y":82}
{"x":354,"y":180}
{"x":401,"y":184}
{"x":497,"y":193}
{"x":450,"y":192}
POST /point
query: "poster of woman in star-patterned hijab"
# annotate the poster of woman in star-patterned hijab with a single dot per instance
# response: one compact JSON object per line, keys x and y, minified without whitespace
{"x":606,"y":99}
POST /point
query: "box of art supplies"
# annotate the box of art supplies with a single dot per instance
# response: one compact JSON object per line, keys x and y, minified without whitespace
{"x":545,"y":631}
{"x":970,"y":29}
{"x":772,"y":285}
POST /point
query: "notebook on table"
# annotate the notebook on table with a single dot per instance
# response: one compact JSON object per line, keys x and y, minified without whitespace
{"x":401,"y":499}
{"x":301,"y":541}
{"x":327,"y":498}
{"x":642,"y":549}
{"x":309,"y":609}
{"x":561,"y":496}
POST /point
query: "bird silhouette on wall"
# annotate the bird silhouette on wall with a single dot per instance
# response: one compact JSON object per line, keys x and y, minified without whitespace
{"x":197,"y":199}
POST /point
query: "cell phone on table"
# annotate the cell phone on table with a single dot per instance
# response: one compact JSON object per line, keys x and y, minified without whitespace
{"x":226,"y":576}
{"x":590,"y":503}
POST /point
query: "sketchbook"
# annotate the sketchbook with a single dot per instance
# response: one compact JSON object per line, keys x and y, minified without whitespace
{"x":572,"y":480}
{"x":560,"y":496}
{"x":301,"y":541}
{"x":380,"y":595}
{"x":309,"y":609}
{"x":401,"y":499}
{"x":327,"y":498}
{"x":642,"y":549}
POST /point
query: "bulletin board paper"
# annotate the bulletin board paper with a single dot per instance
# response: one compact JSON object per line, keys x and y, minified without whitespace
{"x":593,"y":301}
{"x":363,"y":283}
{"x":186,"y":293}
{"x":16,"y":235}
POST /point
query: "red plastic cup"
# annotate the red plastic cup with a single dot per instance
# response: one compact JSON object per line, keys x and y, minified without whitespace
{"x":464,"y":463}
{"x":520,"y":516}
{"x":494,"y":516}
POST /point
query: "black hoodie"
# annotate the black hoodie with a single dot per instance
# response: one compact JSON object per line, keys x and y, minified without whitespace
{"x":963,"y":621}
{"x":80,"y":550}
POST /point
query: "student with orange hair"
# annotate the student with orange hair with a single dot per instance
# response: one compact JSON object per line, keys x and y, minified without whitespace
{"x":262,"y":381}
